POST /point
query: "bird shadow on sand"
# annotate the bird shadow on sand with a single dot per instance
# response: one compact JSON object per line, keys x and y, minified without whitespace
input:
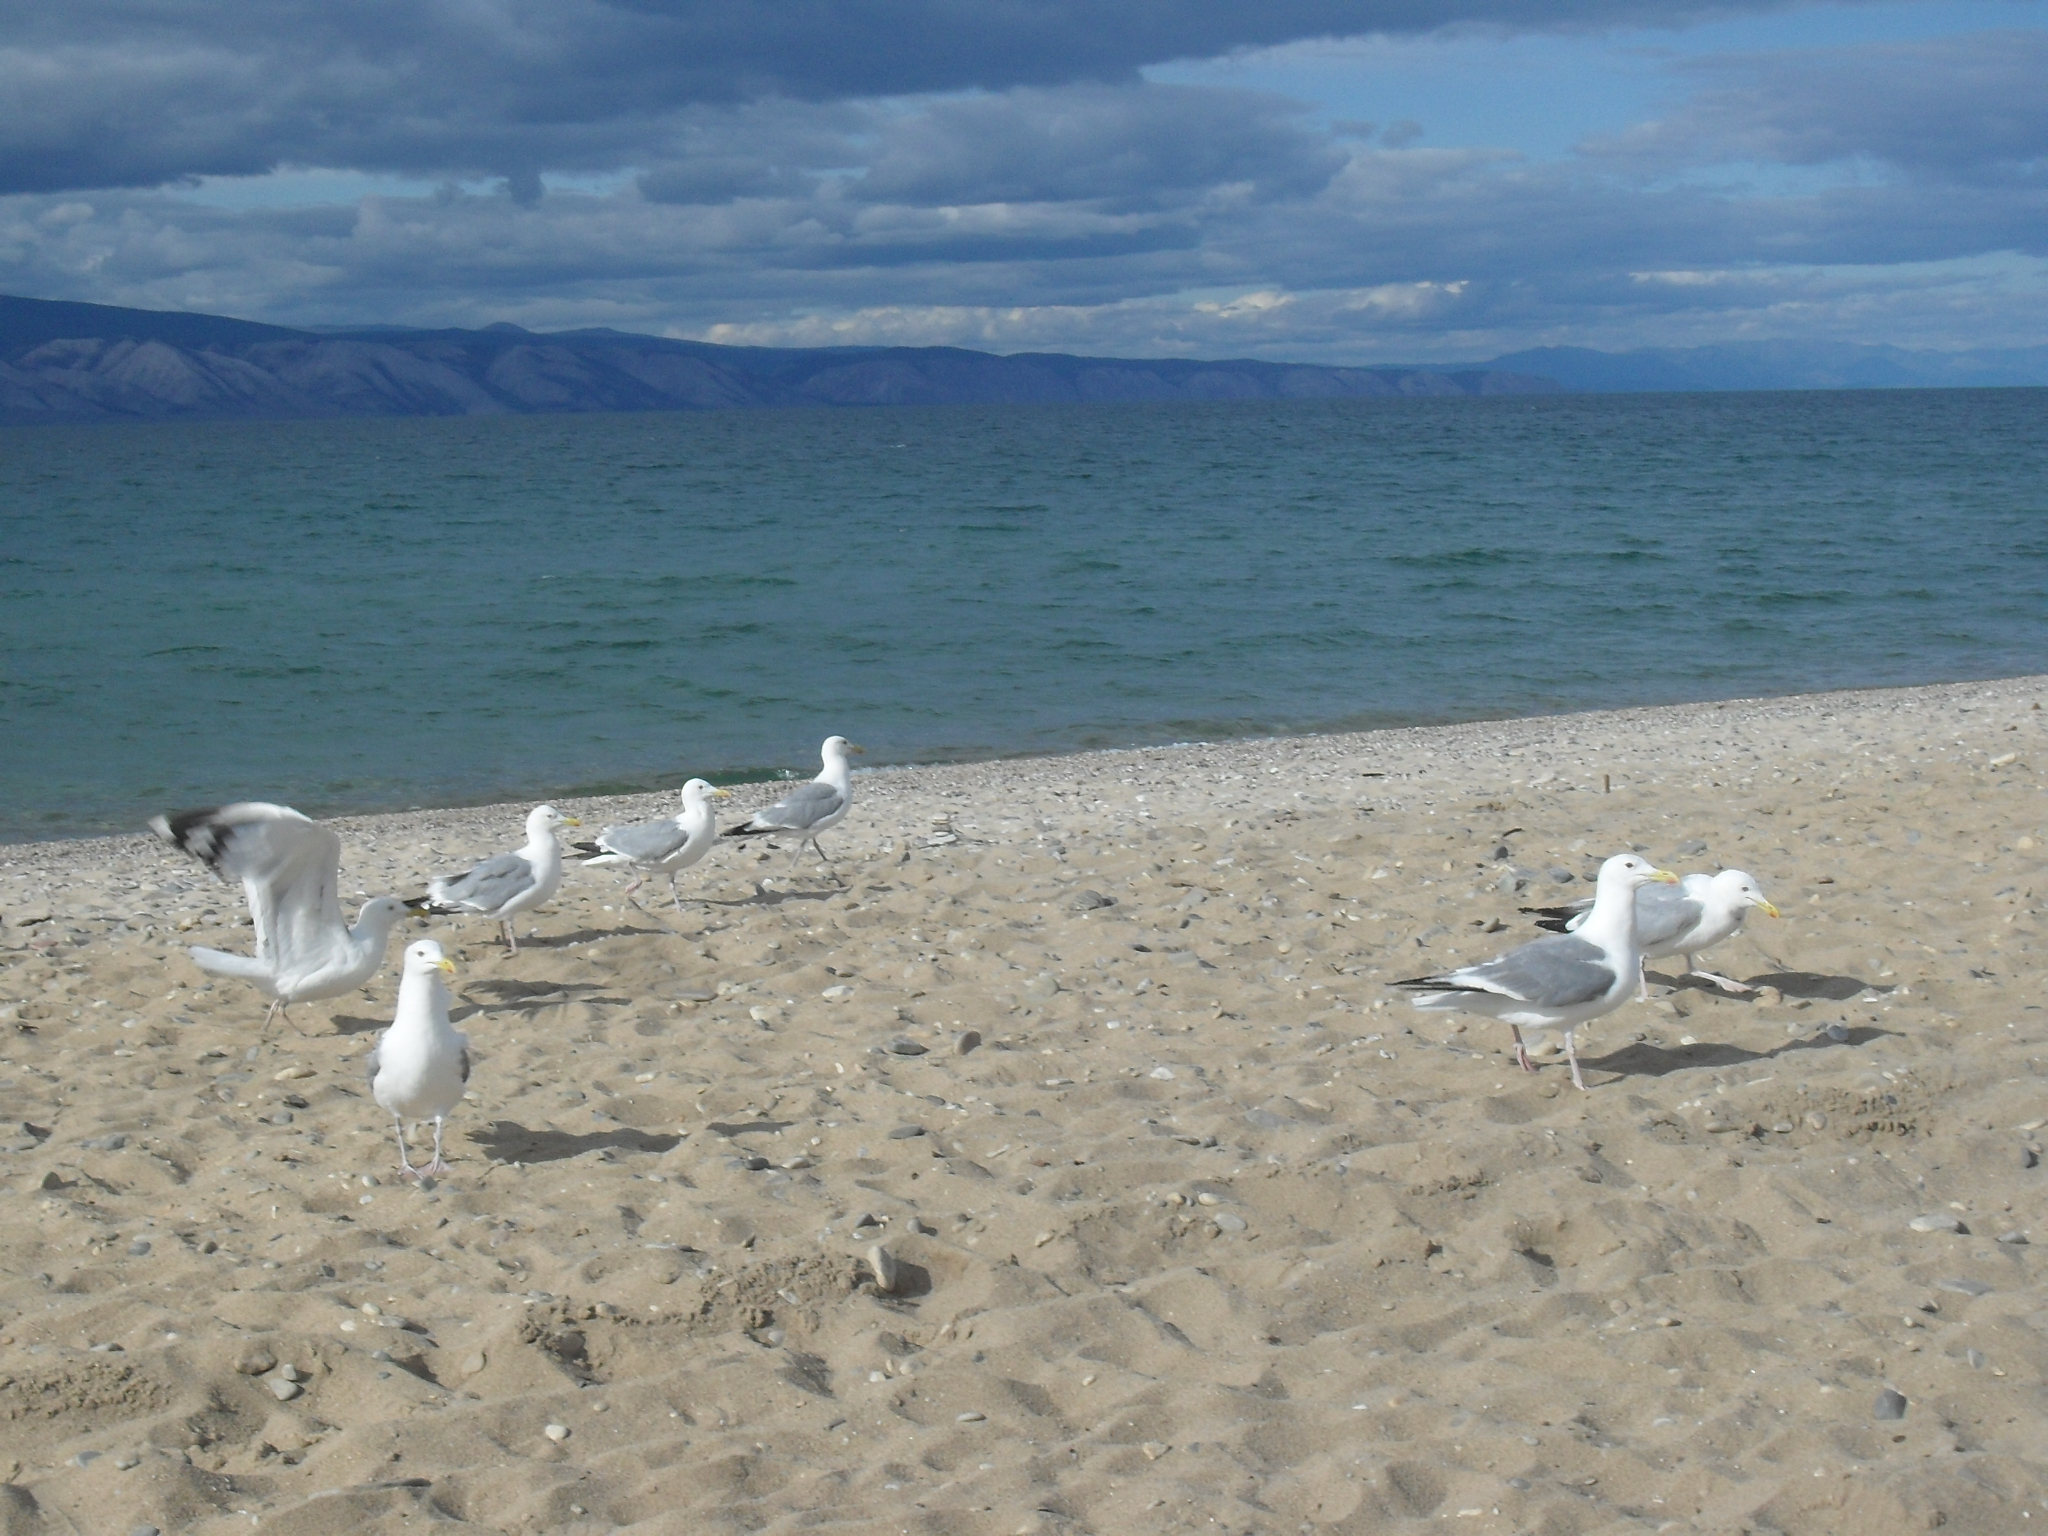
{"x":586,"y":935}
{"x":507,"y":1141}
{"x":1810,"y":984}
{"x":763,"y":897}
{"x":1641,"y":1059}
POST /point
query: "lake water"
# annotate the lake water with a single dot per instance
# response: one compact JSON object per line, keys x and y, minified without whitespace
{"x":361,"y":615}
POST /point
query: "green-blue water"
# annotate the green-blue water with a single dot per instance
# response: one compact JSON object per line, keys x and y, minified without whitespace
{"x":370,"y":614}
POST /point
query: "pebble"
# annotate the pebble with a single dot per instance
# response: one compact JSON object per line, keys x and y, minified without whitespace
{"x":145,"y":1530}
{"x":971,"y":1416}
{"x":127,"y":1463}
{"x":1816,"y":1121}
{"x":1837,"y":1032}
{"x":557,"y":1432}
{"x":906,"y":1133}
{"x":887,"y":1272}
{"x":1891,"y":1404}
{"x":1088,"y":901}
{"x":967,"y":1040}
{"x":284,"y":1391}
{"x":473,"y":1363}
{"x":254,"y":1362}
{"x":1154,"y":1449}
{"x":2018,"y":1238}
{"x":2029,"y":1158}
{"x":139,"y":1248}
{"x":1937,"y":1222}
{"x":1963,"y":1287}
{"x":1769,"y":997}
{"x":1976,"y":1358}
{"x":1228,"y":1221}
{"x":836,"y":994}
{"x":292,"y":1074}
{"x":902,"y":1047}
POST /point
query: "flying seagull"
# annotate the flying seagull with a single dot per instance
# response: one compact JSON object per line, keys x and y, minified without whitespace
{"x":810,"y":808}
{"x":1563,"y":979}
{"x":505,"y":884}
{"x":290,"y":869}
{"x":667,"y":845}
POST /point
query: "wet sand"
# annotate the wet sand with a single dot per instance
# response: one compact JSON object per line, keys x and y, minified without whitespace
{"x":1192,"y":1226}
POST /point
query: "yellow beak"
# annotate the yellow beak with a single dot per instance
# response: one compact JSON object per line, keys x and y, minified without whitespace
{"x":572,"y":821}
{"x":855,"y":748}
{"x":1663,"y":877}
{"x":721,"y":794}
{"x":1769,"y":909}
{"x":444,"y":963}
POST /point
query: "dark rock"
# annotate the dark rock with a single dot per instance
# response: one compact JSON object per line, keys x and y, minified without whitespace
{"x":1891,"y":1404}
{"x":906,"y":1132}
{"x":1964,"y":1287}
{"x":967,"y":1040}
{"x":1088,"y":901}
{"x":903,"y":1047}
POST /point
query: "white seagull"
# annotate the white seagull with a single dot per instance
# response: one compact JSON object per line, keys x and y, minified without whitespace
{"x":1701,"y":912}
{"x":666,"y":846}
{"x":1563,"y":979}
{"x":505,"y":884}
{"x":811,"y":808}
{"x":290,"y":869}
{"x":421,"y":1063}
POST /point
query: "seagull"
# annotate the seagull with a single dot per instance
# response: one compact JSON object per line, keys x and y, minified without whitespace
{"x":811,"y":808}
{"x":1700,"y":913}
{"x":421,"y":1063}
{"x":290,"y":868}
{"x":505,"y":884}
{"x":666,"y":846}
{"x":1561,"y":980}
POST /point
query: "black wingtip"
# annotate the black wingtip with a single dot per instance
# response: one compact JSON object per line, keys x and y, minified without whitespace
{"x":1554,"y":924}
{"x":587,"y":848}
{"x":194,"y":832}
{"x":1434,"y":982}
{"x":744,"y":829}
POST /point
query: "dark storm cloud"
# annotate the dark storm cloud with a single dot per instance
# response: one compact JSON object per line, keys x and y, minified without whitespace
{"x":107,"y":93}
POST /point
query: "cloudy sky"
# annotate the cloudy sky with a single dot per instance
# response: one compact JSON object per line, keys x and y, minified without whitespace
{"x":1324,"y":180}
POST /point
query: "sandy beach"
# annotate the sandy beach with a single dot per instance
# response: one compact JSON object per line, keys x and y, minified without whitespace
{"x":1191,"y":1224}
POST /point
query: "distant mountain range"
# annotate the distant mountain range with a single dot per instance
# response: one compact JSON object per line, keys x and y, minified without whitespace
{"x":92,"y":362}
{"x":1777,"y":365}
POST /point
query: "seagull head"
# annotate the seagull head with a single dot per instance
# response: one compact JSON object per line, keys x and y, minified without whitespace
{"x":543,"y":819}
{"x":1631,"y":873}
{"x":697,"y":791}
{"x":1740,"y":890}
{"x":382,"y":909}
{"x":425,"y":957}
{"x":838,"y":747}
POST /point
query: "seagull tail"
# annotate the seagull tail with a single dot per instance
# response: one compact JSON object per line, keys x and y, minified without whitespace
{"x":748,"y":829}
{"x":432,"y":905}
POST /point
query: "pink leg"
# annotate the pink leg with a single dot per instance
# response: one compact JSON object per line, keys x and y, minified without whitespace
{"x":1521,"y":1050}
{"x":1572,"y":1056}
{"x":405,"y":1167}
{"x":438,"y":1165}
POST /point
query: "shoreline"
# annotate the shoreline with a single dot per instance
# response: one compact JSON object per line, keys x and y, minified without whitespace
{"x":645,"y":804}
{"x":732,"y":779}
{"x":1189,"y":1221}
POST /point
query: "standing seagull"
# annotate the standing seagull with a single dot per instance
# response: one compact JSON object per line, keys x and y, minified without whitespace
{"x":666,"y":846}
{"x":1700,"y":913}
{"x":290,"y":868}
{"x":811,"y":808}
{"x":1563,"y":979}
{"x":421,"y":1063}
{"x":505,"y":884}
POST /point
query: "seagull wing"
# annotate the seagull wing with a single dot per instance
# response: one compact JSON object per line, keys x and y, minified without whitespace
{"x":1663,"y":912}
{"x":798,"y":811}
{"x":290,"y":869}
{"x":1561,"y":971}
{"x":645,"y":842}
{"x":488,"y":886}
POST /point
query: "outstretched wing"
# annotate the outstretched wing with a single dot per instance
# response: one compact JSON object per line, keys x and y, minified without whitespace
{"x":290,"y":869}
